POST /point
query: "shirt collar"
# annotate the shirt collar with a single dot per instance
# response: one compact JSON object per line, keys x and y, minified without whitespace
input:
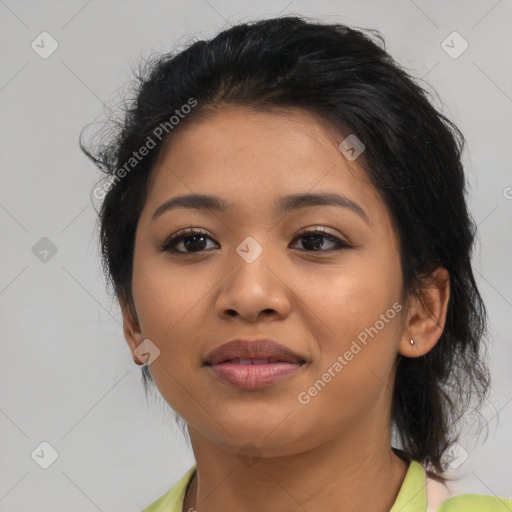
{"x":412,"y":496}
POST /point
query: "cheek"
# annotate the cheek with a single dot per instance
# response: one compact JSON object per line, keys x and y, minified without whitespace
{"x":361,"y":306}
{"x":354,"y":372}
{"x":354,"y":296}
{"x":170,"y":308}
{"x":168,"y":297}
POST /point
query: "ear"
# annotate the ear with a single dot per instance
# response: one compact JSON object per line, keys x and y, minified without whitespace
{"x":426,"y":317}
{"x":131,"y":327}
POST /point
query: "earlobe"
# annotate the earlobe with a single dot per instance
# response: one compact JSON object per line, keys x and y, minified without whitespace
{"x":426,"y":317}
{"x":131,"y":329}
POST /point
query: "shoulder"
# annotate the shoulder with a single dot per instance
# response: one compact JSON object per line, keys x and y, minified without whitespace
{"x":475,"y":503}
{"x":172,"y":500}
{"x":440,"y":498}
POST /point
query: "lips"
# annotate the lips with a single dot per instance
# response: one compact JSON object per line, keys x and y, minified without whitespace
{"x":261,"y":351}
{"x":268,"y":360}
{"x":252,"y":365}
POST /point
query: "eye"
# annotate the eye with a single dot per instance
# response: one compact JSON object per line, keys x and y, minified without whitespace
{"x":315,"y":241}
{"x":192,"y":240}
{"x":195,"y":241}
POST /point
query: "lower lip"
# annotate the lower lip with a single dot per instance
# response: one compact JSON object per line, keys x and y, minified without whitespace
{"x":254,"y":376}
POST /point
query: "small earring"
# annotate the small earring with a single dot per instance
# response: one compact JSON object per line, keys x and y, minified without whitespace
{"x":412,"y":342}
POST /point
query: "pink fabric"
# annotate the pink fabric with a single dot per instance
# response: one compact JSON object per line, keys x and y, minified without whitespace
{"x":437,"y":492}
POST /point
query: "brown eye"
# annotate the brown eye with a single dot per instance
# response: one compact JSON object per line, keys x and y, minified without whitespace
{"x":315,"y":241}
{"x":192,"y":241}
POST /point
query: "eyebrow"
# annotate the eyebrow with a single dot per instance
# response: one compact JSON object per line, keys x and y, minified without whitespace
{"x":206,"y":202}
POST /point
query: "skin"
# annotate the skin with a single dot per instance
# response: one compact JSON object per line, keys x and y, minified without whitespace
{"x":334,"y":451}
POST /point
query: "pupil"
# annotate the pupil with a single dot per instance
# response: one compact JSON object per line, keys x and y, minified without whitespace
{"x":190,"y":245}
{"x":316,"y":241}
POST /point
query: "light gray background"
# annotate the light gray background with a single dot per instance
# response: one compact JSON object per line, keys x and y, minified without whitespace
{"x":67,"y":376}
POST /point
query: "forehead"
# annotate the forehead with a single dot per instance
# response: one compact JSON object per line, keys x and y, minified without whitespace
{"x":242,"y":154}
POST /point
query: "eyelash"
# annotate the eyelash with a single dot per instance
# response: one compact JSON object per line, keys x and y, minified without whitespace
{"x":169,"y":245}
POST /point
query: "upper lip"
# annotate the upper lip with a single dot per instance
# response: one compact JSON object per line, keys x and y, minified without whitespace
{"x":256,"y":349}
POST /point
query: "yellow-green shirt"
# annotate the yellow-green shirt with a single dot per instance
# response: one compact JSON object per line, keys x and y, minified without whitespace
{"x":412,"y":497}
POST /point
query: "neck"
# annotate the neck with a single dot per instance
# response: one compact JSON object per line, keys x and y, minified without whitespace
{"x":344,"y":473}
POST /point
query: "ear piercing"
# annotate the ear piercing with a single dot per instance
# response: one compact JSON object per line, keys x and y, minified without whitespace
{"x":412,"y":342}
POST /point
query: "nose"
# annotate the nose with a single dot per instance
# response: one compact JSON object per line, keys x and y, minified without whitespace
{"x":254,"y":290}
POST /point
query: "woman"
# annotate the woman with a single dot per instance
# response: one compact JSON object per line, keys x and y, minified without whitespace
{"x":285,"y":227}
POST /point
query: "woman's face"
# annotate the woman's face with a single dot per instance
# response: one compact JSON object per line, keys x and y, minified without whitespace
{"x":255,"y":274}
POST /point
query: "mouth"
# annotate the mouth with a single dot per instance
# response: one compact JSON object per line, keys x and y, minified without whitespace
{"x":253,"y":364}
{"x":267,"y":360}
